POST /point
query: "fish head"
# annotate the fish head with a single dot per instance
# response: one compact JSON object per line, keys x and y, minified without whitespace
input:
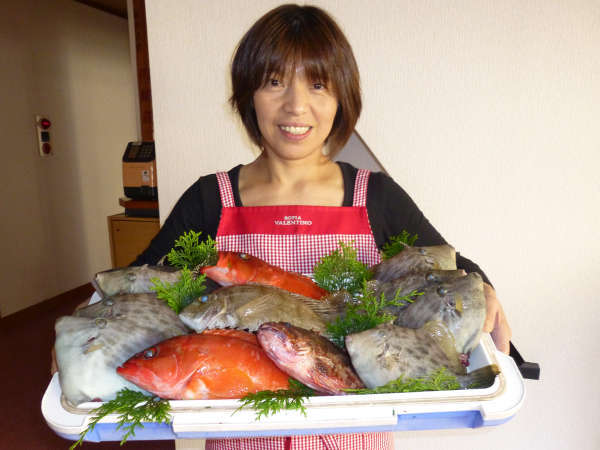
{"x":209,"y":311}
{"x":233,"y":268}
{"x":463,"y":310}
{"x":115,"y":281}
{"x":281,"y":342}
{"x":416,"y":259}
{"x":164,"y":368}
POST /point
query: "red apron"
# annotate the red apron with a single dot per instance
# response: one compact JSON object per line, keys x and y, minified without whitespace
{"x":295,"y":238}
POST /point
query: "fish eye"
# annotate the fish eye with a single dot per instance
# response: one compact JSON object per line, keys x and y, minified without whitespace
{"x":101,"y":322}
{"x":442,"y":291}
{"x":204,"y":298}
{"x":150,"y":353}
{"x":422,"y":251}
{"x":243,"y":256}
{"x":131,"y":276}
{"x":430,"y":277}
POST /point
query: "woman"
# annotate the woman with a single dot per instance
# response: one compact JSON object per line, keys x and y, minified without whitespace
{"x":296,"y":87}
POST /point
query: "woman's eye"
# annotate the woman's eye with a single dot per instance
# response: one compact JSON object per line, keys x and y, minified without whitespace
{"x":318,"y":86}
{"x":274,"y":82}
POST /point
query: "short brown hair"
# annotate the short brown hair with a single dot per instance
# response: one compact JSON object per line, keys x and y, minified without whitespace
{"x":286,"y":36}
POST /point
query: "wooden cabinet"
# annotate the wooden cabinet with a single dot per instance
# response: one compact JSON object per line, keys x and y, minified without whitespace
{"x":129,"y":236}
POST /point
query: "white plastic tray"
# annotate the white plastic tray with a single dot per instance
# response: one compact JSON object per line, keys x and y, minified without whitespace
{"x":194,"y":419}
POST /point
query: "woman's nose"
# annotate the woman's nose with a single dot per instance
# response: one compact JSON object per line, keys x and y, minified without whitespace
{"x":296,"y":98}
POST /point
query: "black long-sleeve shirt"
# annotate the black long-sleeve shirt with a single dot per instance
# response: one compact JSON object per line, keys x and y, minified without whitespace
{"x":389,"y":207}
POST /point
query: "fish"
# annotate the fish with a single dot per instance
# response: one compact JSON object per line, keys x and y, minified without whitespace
{"x":215,"y":364}
{"x":459,"y":304}
{"x":95,"y":340}
{"x":308,"y":357}
{"x":234,"y":268}
{"x":414,"y":281}
{"x":415,"y":259}
{"x":138,"y":280}
{"x":388,"y":352}
{"x":248,"y":306}
{"x":132,"y":280}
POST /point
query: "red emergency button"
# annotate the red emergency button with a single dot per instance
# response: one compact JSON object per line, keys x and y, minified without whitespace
{"x":46,"y":148}
{"x":45,"y":123}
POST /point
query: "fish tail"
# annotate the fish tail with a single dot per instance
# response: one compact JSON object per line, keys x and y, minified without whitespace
{"x":481,"y":378}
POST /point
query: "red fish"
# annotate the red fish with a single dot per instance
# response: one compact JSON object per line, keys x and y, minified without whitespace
{"x":308,"y":357}
{"x":241,"y":268}
{"x":211,"y":365}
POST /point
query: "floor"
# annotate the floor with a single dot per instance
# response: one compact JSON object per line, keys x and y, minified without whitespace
{"x":26,"y":339}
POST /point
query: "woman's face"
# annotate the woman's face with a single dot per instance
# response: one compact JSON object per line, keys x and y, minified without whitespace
{"x":294,"y":115}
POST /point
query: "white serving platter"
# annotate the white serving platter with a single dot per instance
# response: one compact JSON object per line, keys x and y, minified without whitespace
{"x":193,"y":419}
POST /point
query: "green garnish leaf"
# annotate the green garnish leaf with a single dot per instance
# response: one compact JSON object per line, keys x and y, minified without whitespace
{"x":133,"y":408}
{"x":367,"y":312}
{"x":190,"y":253}
{"x":267,"y":403}
{"x":398,"y":243}
{"x":341,"y":269}
{"x":440,"y":380}
{"x":181,"y":293}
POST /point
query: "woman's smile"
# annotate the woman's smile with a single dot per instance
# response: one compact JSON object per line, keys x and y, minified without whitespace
{"x":295,"y":132}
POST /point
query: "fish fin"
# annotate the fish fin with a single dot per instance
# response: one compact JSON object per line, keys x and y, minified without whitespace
{"x":442,"y":335}
{"x":256,"y":304}
{"x":481,"y":378}
{"x":329,"y":307}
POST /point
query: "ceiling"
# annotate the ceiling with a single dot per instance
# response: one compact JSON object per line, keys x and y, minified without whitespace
{"x":116,"y":7}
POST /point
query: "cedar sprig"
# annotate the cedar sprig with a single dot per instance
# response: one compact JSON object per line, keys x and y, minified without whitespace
{"x":189,"y":252}
{"x":134,"y":408}
{"x":341,"y":269}
{"x":368,"y":311}
{"x":398,"y":243}
{"x":440,"y":380}
{"x":184,"y":291}
{"x":267,"y":403}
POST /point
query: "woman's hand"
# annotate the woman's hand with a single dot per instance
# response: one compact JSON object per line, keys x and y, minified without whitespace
{"x":53,"y":364}
{"x":495,"y":321}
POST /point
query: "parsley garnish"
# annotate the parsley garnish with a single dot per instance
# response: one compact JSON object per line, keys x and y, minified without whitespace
{"x":398,"y":243}
{"x":133,"y":408}
{"x":190,"y":253}
{"x":181,"y":293}
{"x":341,"y":269}
{"x":440,"y":380}
{"x":267,"y":403}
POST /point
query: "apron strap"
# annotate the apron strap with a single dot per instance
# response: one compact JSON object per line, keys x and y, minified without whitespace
{"x":225,"y":190}
{"x":360,"y":188}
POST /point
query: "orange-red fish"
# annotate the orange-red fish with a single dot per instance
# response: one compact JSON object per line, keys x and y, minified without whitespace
{"x":241,"y":268}
{"x":216,"y":364}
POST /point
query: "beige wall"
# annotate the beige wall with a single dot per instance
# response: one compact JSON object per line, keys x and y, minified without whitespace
{"x":72,"y":63}
{"x":487,"y":113}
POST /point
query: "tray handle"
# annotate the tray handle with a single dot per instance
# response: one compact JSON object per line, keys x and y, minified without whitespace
{"x":529,"y":370}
